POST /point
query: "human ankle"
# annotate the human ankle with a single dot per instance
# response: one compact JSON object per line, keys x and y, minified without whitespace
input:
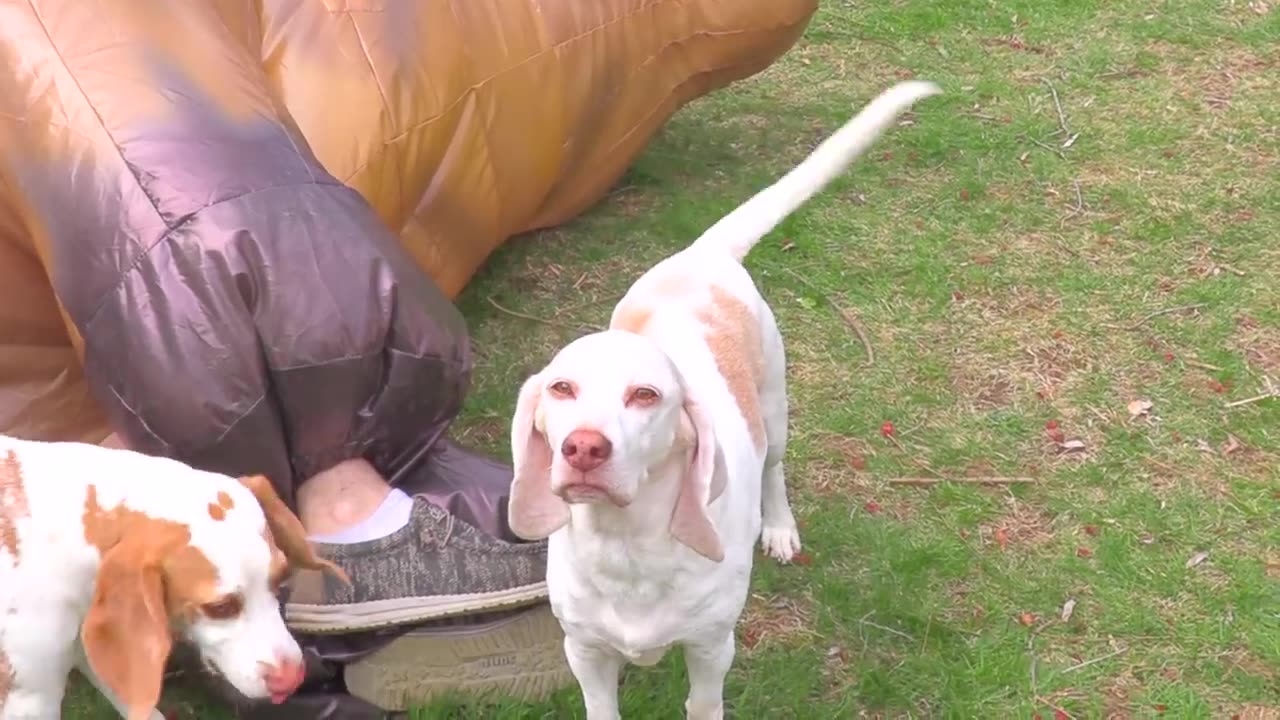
{"x":340,"y":497}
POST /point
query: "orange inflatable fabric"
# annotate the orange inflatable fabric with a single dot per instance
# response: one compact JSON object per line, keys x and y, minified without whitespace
{"x":459,"y":122}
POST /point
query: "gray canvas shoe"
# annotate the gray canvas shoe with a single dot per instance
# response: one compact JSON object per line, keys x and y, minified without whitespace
{"x":437,"y":566}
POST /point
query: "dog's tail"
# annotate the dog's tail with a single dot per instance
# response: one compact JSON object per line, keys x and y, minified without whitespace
{"x":740,"y":230}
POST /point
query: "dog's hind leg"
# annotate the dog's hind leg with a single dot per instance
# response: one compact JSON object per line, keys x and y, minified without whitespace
{"x":779,"y":536}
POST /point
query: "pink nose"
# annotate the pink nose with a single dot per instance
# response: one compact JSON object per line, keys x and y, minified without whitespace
{"x":283,"y":678}
{"x":586,"y":449}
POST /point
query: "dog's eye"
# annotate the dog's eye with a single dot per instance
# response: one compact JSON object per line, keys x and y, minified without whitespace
{"x":223,"y":608}
{"x":644,"y":396}
{"x":561,"y":388}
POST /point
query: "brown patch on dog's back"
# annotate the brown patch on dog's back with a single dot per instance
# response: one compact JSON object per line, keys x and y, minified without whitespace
{"x":635,"y":312}
{"x":190,"y":577}
{"x":13,"y":503}
{"x":733,"y":334}
{"x":218,"y":510}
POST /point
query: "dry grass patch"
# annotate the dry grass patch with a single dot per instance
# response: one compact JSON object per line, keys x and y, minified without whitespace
{"x":774,"y":620}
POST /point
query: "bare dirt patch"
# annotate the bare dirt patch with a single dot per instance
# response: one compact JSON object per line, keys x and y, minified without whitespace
{"x":1022,"y":525}
{"x":1258,"y":343}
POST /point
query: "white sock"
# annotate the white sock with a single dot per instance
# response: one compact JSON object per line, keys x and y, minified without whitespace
{"x":390,"y":516}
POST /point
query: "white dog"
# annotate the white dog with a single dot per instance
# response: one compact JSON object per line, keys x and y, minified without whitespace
{"x":651,"y":453}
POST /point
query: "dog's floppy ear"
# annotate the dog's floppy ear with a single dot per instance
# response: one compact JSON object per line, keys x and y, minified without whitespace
{"x":702,"y":482}
{"x":126,"y":631}
{"x":286,"y":530}
{"x":533,"y":511}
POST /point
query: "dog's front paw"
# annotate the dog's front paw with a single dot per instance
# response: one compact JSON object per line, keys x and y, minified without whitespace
{"x":781,"y":543}
{"x":703,"y":713}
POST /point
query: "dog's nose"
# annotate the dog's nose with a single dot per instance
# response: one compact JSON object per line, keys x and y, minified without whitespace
{"x":283,"y":678}
{"x":586,"y":449}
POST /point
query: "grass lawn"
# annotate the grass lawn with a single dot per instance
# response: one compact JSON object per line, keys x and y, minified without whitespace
{"x":1067,"y":291}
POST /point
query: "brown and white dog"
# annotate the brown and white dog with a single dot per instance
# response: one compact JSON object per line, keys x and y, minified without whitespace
{"x":106,"y":553}
{"x":651,"y":453}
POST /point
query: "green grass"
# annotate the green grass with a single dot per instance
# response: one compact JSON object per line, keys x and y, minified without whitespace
{"x":1002,"y":285}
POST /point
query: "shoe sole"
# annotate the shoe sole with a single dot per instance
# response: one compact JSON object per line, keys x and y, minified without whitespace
{"x":355,"y":617}
{"x":514,"y":658}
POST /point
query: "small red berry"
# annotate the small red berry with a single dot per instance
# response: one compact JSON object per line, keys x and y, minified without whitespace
{"x":872,"y":507}
{"x":1057,"y":436}
{"x":1091,"y":530}
{"x":887,"y":429}
{"x":1084,"y":552}
{"x":1168,"y":357}
{"x":1051,"y":425}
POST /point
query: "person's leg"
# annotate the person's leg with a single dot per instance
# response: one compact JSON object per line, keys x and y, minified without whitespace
{"x":351,"y":503}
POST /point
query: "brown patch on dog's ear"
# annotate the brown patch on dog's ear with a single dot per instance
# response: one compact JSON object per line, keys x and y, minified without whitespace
{"x":13,"y":504}
{"x":286,"y":530}
{"x":126,"y":631}
{"x":149,"y":574}
{"x":735,"y":340}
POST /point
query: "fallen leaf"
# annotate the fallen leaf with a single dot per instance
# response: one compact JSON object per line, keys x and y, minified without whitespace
{"x":788,"y":245}
{"x":1204,"y":447}
{"x":982,"y":260}
{"x":1073,"y":446}
{"x":1002,"y":538}
{"x":1139,"y":407}
{"x":1231,"y":445}
{"x":1091,"y":530}
{"x":887,"y":428}
{"x":1197,"y":559}
{"x":1068,"y":608}
{"x":1084,"y":552}
{"x":872,"y":507}
{"x":1027,"y":619}
{"x":1147,"y":539}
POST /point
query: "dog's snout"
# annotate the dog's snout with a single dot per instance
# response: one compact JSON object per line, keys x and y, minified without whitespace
{"x":586,"y":449}
{"x":283,"y":678}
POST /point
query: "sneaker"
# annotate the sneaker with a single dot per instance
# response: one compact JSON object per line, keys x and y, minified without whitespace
{"x":437,"y":566}
{"x":495,"y":657}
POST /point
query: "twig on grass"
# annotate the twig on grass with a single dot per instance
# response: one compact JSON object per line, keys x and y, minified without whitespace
{"x":878,"y":626}
{"x":544,"y":321}
{"x":1049,"y":147}
{"x":1062,"y":117}
{"x":1272,"y":392}
{"x":1087,"y":663}
{"x":989,"y":480}
{"x":1079,"y":208}
{"x":1031,"y":651}
{"x":1166,"y":311}
{"x":1202,"y":365}
{"x":849,"y":319}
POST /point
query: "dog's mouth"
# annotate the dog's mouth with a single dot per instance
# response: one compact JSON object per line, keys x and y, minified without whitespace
{"x":584,"y":493}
